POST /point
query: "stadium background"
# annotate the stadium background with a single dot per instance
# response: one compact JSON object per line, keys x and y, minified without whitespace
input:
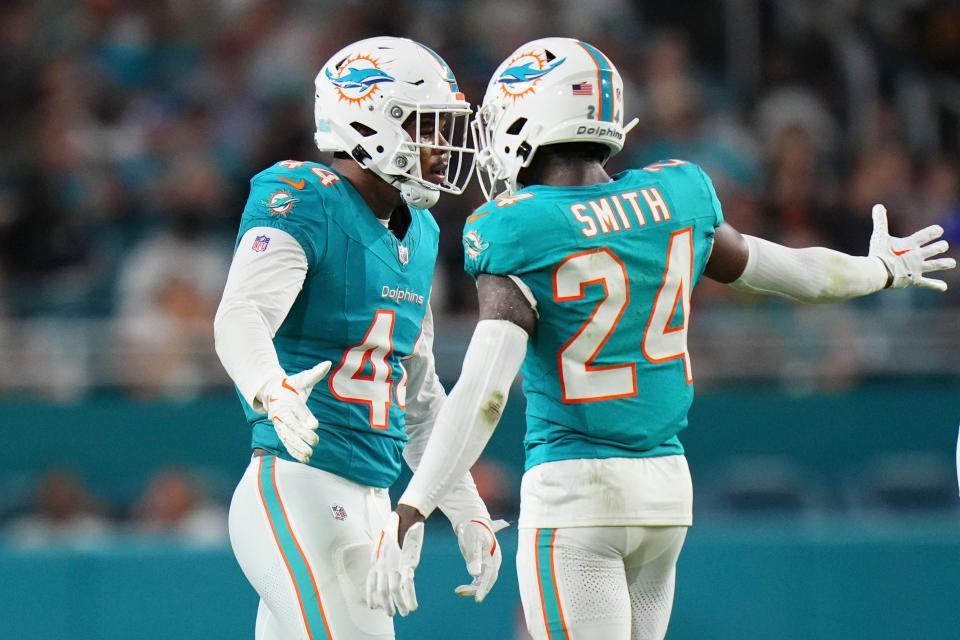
{"x":822,"y":438}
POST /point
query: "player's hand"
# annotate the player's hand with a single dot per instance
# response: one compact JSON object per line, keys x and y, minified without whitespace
{"x":285,"y":400}
{"x":908,"y":259}
{"x":390,"y":580}
{"x":478,"y":544}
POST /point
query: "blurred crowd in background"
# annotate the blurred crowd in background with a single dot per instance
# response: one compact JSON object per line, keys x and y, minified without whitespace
{"x":131,"y":128}
{"x":58,"y":509}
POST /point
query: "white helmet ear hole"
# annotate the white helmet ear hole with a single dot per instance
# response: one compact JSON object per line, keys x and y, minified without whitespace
{"x":516,"y":127}
{"x":360,"y":155}
{"x":523,"y":151}
{"x":362,"y":129}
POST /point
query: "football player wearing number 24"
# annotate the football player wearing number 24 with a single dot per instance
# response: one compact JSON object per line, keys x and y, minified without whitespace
{"x":326,"y":330}
{"x":584,"y":281}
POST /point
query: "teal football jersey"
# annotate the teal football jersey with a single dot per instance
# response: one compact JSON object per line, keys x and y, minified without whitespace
{"x":612,"y":266}
{"x":361,"y":307}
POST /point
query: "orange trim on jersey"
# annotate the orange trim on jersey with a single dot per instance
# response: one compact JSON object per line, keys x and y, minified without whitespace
{"x":588,"y":365}
{"x":657,"y":166}
{"x":476,"y":216}
{"x":684,"y":355}
{"x":364,"y":359}
{"x":673,"y":312}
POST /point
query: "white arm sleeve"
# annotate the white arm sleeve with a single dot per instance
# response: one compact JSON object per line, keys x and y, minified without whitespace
{"x":471,"y":413}
{"x":261,"y":287}
{"x":815,"y":274}
{"x":425,"y":396}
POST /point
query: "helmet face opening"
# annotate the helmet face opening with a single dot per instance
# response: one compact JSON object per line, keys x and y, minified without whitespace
{"x":442,"y":132}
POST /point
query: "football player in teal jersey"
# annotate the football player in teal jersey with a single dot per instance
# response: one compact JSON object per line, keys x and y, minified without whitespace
{"x":331,"y":274}
{"x":585,"y":280}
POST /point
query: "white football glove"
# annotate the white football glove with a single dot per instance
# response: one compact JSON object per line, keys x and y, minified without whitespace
{"x":285,"y":400}
{"x":907,"y":259}
{"x":478,"y":544}
{"x":390,"y":580}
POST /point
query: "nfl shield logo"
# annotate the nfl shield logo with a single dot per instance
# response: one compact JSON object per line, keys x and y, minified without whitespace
{"x":260,"y":243}
{"x":338,"y":511}
{"x":403,"y":253}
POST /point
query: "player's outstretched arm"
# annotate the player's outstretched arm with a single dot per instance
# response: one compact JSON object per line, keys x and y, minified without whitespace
{"x":263,"y":283}
{"x":818,"y":275}
{"x":462,"y":429}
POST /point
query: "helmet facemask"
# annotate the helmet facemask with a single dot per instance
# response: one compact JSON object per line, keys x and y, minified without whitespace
{"x":436,"y":129}
{"x":492,"y":174}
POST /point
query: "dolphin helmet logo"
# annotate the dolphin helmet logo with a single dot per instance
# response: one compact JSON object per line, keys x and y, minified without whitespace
{"x":361,"y":79}
{"x":526,"y":72}
{"x":358,"y":78}
{"x":523,"y":73}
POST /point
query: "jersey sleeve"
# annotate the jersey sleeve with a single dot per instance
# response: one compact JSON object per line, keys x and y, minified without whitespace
{"x":265,"y":278}
{"x":290,"y":201}
{"x":491,"y":242}
{"x":692,"y":186}
{"x":711,"y":195}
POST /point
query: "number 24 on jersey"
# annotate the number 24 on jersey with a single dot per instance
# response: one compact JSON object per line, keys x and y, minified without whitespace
{"x":580,"y":379}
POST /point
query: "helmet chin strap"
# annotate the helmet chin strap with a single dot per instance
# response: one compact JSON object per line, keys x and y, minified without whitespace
{"x":416,"y":195}
{"x":413,"y":193}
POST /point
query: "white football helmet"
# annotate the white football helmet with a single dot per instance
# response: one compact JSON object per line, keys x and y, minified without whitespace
{"x":365,"y":94}
{"x":548,"y":91}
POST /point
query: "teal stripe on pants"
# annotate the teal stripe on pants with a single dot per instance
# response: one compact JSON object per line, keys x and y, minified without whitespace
{"x":548,"y":585}
{"x":309,"y":599}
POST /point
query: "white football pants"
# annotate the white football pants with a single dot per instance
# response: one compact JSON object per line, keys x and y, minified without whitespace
{"x":303,"y":538}
{"x":598,"y":583}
